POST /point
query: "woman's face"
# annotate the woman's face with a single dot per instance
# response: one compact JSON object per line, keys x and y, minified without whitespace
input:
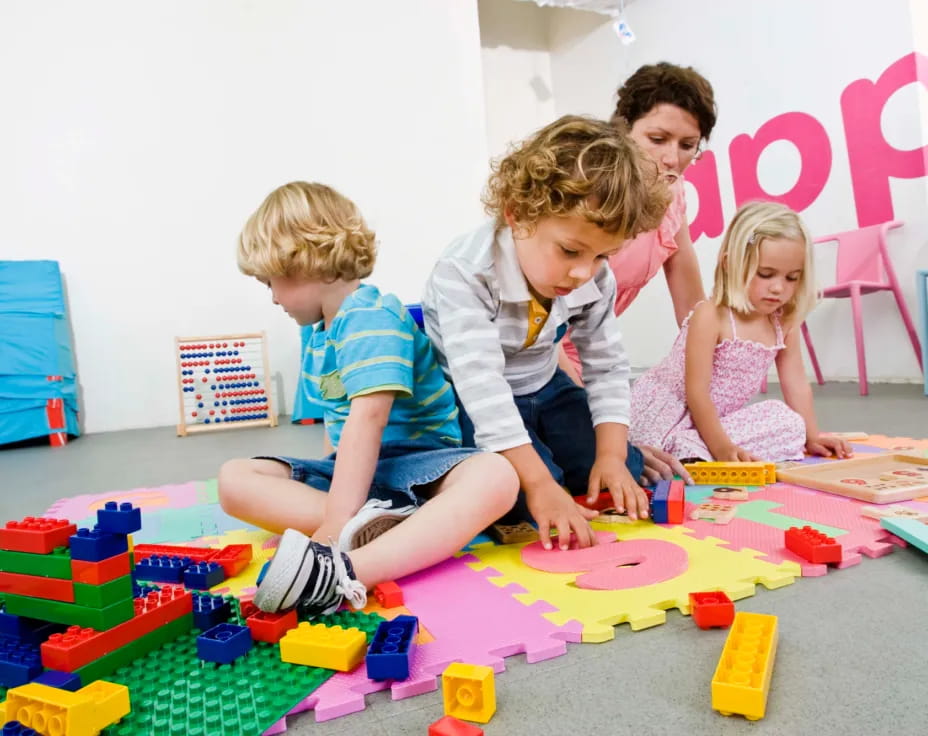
{"x":670,"y":136}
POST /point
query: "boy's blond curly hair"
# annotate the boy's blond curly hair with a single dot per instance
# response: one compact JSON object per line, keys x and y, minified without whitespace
{"x":307,"y":230}
{"x":578,"y":165}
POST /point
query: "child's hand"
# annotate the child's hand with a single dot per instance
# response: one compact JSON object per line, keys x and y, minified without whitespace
{"x":826,"y":446}
{"x":734,"y":454}
{"x":609,"y":473}
{"x":660,"y":465}
{"x":553,"y":508}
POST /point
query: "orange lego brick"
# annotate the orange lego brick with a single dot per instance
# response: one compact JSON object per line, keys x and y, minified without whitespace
{"x":388,"y":595}
{"x":318,"y":645}
{"x":97,"y":573}
{"x":52,"y":589}
{"x":39,"y":536}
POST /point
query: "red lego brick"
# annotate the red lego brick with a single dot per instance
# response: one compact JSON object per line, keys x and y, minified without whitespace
{"x":388,"y":595}
{"x":39,"y":536}
{"x":97,"y":573}
{"x":51,"y":589}
{"x":812,"y":545}
{"x":603,"y":501}
{"x":196,"y":554}
{"x":451,"y":726}
{"x":712,"y":609}
{"x":234,"y":558}
{"x":676,"y":501}
{"x":77,"y":647}
{"x":269,"y":627}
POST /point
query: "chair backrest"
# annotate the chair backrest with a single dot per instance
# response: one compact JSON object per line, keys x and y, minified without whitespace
{"x":862,"y":254}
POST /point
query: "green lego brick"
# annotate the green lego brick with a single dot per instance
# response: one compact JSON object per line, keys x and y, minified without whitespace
{"x":101,"y":596}
{"x":109,"y":663}
{"x":71,"y":614}
{"x":56,"y":564}
{"x":173,"y":692}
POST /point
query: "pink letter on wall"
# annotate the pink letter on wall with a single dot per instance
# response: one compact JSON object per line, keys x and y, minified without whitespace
{"x":612,"y":565}
{"x":704,"y":176}
{"x":807,"y":134}
{"x":873,"y":161}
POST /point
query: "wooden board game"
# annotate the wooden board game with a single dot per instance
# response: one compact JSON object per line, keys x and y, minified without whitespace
{"x":873,"y":478}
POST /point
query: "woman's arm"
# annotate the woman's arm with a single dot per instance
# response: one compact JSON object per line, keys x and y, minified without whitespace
{"x":683,"y":278}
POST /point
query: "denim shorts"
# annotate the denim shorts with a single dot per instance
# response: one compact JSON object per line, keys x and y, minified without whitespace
{"x":403,"y":467}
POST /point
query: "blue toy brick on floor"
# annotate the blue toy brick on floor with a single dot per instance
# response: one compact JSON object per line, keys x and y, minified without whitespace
{"x":224,"y":643}
{"x":659,"y":502}
{"x":391,"y":649}
{"x":204,"y":575}
{"x":121,"y":518}
{"x":19,"y":662}
{"x":93,"y":545}
{"x":162,"y":568}
{"x":209,"y":610}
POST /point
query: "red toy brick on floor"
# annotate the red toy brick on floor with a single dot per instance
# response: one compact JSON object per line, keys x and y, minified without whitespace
{"x":269,"y":627}
{"x":812,"y":545}
{"x":712,"y":609}
{"x":388,"y":595}
{"x":39,"y":536}
{"x":451,"y":726}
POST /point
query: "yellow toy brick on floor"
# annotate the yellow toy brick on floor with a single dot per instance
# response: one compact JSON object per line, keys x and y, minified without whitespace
{"x":469,"y":692}
{"x":742,"y":679}
{"x":50,"y":710}
{"x":318,"y":645}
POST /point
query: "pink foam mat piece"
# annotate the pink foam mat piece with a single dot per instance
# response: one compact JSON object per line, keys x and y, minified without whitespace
{"x":471,"y":619}
{"x":864,"y":536}
{"x":177,"y":496}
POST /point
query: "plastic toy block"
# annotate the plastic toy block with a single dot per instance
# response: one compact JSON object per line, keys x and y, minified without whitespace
{"x":27,"y":630}
{"x":95,"y":544}
{"x":197,"y":554}
{"x":450,"y":726}
{"x":101,"y":596}
{"x":667,"y":501}
{"x":204,"y":575}
{"x":269,"y":627}
{"x":513,"y":533}
{"x":712,"y":609}
{"x":893,"y":511}
{"x":224,"y":643}
{"x":162,"y":568}
{"x":15,"y":728}
{"x":603,"y":501}
{"x":209,"y":610}
{"x":745,"y":474}
{"x":469,"y":692}
{"x":19,"y":662}
{"x":55,"y":564}
{"x":812,"y":545}
{"x":97,"y":573}
{"x":70,"y":613}
{"x":78,"y":647}
{"x":391,"y":650}
{"x":53,"y":589}
{"x":741,"y":681}
{"x":111,"y":701}
{"x":318,"y":645}
{"x":388,"y":595}
{"x":121,"y":518}
{"x":676,"y":502}
{"x":612,"y":516}
{"x":262,"y":572}
{"x":38,"y":536}
{"x":717,"y":513}
{"x":61,"y":680}
{"x":730,"y":493}
{"x":234,"y":558}
{"x":60,"y":712}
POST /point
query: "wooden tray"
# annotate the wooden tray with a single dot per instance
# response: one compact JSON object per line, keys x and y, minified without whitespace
{"x":875,"y":478}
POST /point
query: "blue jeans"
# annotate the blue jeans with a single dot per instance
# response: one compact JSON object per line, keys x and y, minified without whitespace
{"x":557,"y":418}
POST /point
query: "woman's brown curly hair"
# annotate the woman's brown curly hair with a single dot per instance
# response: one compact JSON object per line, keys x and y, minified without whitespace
{"x":578,"y":165}
{"x":307,"y":230}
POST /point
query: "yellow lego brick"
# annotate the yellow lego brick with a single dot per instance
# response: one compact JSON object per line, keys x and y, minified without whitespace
{"x":49,"y":710}
{"x":469,"y":692}
{"x":745,"y":474}
{"x":110,"y":701}
{"x":318,"y":645}
{"x":742,"y":679}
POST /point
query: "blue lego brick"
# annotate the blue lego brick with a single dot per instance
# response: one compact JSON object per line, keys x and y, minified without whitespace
{"x":204,"y":575}
{"x":391,"y":649}
{"x":162,"y":568}
{"x":121,"y":518}
{"x":15,"y":728}
{"x":263,"y":572}
{"x":141,"y":591}
{"x":209,"y":610}
{"x":224,"y":643}
{"x":95,"y":544}
{"x":61,"y":680}
{"x":19,"y":662}
{"x":659,"y":501}
{"x":28,"y":630}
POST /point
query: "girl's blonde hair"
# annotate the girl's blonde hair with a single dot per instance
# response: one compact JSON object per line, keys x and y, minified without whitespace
{"x":307,"y":230}
{"x":740,"y":252}
{"x":578,"y":165}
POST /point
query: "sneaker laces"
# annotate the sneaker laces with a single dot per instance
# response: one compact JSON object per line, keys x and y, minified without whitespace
{"x":345,"y":583}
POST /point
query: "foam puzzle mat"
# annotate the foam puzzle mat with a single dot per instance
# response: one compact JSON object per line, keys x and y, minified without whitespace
{"x":538,"y":601}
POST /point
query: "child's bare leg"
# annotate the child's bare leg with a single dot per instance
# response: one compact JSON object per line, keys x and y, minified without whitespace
{"x":262,"y":493}
{"x":467,"y":500}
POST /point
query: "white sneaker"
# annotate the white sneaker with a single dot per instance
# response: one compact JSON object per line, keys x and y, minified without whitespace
{"x":373,"y":519}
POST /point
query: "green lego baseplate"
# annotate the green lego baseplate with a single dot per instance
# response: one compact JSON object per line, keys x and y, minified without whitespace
{"x":174,"y":692}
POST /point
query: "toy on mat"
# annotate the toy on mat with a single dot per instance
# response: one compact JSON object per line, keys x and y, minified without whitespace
{"x":893,"y":511}
{"x":875,"y":478}
{"x":389,"y":594}
{"x":712,"y":609}
{"x":391,"y":649}
{"x":450,"y":726}
{"x":269,"y":627}
{"x":741,"y":681}
{"x":513,"y":533}
{"x":469,"y":692}
{"x":224,"y":643}
{"x":717,"y":513}
{"x":730,"y":493}
{"x":746,"y":474}
{"x":223,"y":383}
{"x":318,"y":645}
{"x":812,"y":545}
{"x":667,"y":502}
{"x":85,"y":712}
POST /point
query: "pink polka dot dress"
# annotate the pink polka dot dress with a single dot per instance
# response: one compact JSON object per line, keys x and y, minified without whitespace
{"x":768,"y":429}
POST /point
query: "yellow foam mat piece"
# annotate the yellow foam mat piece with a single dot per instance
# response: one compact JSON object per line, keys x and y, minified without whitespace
{"x":711,"y":567}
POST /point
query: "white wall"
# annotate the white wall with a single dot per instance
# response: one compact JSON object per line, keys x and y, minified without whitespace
{"x":765,"y":58}
{"x":137,"y":138}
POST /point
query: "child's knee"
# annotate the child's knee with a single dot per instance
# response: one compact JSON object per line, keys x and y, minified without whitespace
{"x":230,"y":482}
{"x":500,"y":479}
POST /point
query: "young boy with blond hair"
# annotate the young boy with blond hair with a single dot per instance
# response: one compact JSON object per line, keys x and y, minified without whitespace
{"x":399,"y":493}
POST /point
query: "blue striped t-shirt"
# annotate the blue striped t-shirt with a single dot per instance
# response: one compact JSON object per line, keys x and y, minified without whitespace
{"x":372,"y":345}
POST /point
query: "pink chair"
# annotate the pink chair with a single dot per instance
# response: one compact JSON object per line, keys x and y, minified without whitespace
{"x":863,"y":266}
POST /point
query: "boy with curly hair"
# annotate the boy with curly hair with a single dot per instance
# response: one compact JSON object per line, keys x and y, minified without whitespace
{"x":502,"y":297}
{"x":399,"y":493}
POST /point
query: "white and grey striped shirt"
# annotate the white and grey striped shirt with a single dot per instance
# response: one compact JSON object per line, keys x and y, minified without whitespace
{"x":475,"y":306}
